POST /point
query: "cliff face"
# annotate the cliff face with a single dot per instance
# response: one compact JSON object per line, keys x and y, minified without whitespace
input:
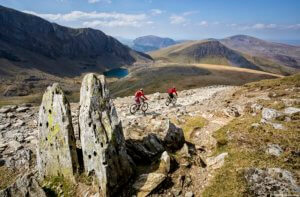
{"x":49,"y":41}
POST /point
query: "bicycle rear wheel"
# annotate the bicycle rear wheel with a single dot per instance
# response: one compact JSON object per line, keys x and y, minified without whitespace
{"x":133,"y":108}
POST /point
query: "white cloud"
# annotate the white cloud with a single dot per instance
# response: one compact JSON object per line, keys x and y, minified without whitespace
{"x":97,"y":1}
{"x":264,"y":26}
{"x":203,"y":23}
{"x":259,"y":26}
{"x":188,"y":13}
{"x":175,"y":19}
{"x":97,"y":19}
{"x":155,"y":12}
{"x":295,"y":27}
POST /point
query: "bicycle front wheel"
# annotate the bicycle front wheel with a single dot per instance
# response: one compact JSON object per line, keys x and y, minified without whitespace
{"x":174,"y":100}
{"x":144,"y":107}
{"x":167,"y":102}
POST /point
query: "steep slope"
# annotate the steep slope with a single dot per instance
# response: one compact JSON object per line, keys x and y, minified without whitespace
{"x":30,"y":42}
{"x":239,"y":141}
{"x":284,"y":54}
{"x":151,"y":43}
{"x":207,"y":51}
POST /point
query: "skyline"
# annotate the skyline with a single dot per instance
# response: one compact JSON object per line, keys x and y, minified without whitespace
{"x":184,"y":19}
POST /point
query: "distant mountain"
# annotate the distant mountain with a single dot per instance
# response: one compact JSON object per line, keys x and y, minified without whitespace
{"x":29,"y":42}
{"x":207,"y":51}
{"x":283,"y":54}
{"x":125,"y":41}
{"x":240,"y":51}
{"x":151,"y":43}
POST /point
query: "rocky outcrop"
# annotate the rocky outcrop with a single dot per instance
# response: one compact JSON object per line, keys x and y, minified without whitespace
{"x":271,"y":182}
{"x":102,"y":139}
{"x":143,"y":151}
{"x":146,"y":183}
{"x":56,"y":154}
{"x":24,"y":186}
{"x":173,"y":137}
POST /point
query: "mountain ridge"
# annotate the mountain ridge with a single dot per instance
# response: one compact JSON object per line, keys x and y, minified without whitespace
{"x":208,"y":51}
{"x":50,"y":41}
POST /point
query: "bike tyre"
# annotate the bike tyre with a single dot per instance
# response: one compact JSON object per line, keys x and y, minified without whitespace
{"x":133,"y":108}
{"x":174,"y":100}
{"x":144,"y":107}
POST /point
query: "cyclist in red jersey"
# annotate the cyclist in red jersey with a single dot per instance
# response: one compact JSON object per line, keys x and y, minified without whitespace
{"x":139,"y":95}
{"x":172,"y":92}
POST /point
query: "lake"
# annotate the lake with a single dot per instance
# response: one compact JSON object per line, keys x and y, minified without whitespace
{"x":117,"y":72}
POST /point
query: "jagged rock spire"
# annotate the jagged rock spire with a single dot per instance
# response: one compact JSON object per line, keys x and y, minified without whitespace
{"x":102,"y":138}
{"x":56,"y":154}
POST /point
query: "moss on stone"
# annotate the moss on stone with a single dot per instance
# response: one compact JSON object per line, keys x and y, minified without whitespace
{"x":59,"y":186}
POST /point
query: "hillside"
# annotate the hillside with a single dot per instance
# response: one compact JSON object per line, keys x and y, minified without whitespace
{"x":208,"y":51}
{"x":32,"y":42}
{"x":37,"y":52}
{"x":225,"y":52}
{"x":160,"y":77}
{"x":283,"y":54}
{"x":215,"y":141}
{"x":151,"y":43}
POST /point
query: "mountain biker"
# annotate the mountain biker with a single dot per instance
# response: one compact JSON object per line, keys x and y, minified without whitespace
{"x":139,"y":95}
{"x":171,"y":92}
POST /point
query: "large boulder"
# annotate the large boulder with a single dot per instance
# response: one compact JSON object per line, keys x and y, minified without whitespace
{"x":26,"y":185}
{"x":102,"y":139}
{"x":56,"y":154}
{"x":271,"y":182}
{"x":173,"y":137}
{"x":144,"y":150}
{"x":146,"y":183}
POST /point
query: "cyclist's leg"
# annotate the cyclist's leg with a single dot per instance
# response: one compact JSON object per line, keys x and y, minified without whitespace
{"x":137,"y":101}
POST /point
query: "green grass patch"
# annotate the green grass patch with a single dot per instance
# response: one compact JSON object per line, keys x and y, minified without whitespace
{"x":246,"y":146}
{"x":18,"y":100}
{"x":277,"y":84}
{"x":58,"y":186}
{"x":190,"y":124}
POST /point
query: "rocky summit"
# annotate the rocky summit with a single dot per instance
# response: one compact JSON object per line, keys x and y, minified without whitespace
{"x":214,"y":141}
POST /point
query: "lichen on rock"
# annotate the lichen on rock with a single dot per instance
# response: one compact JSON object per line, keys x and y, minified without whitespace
{"x":102,"y":138}
{"x":56,"y":151}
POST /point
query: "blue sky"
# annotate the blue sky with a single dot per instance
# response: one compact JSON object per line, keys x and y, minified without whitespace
{"x":178,"y":19}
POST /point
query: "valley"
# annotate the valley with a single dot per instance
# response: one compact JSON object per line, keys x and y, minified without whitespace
{"x":66,"y":129}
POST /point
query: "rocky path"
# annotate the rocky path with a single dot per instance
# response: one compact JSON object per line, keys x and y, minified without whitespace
{"x":18,"y":131}
{"x":195,"y":102}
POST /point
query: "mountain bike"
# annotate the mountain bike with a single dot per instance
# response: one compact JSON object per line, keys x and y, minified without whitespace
{"x":135,"y":107}
{"x":171,"y":100}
